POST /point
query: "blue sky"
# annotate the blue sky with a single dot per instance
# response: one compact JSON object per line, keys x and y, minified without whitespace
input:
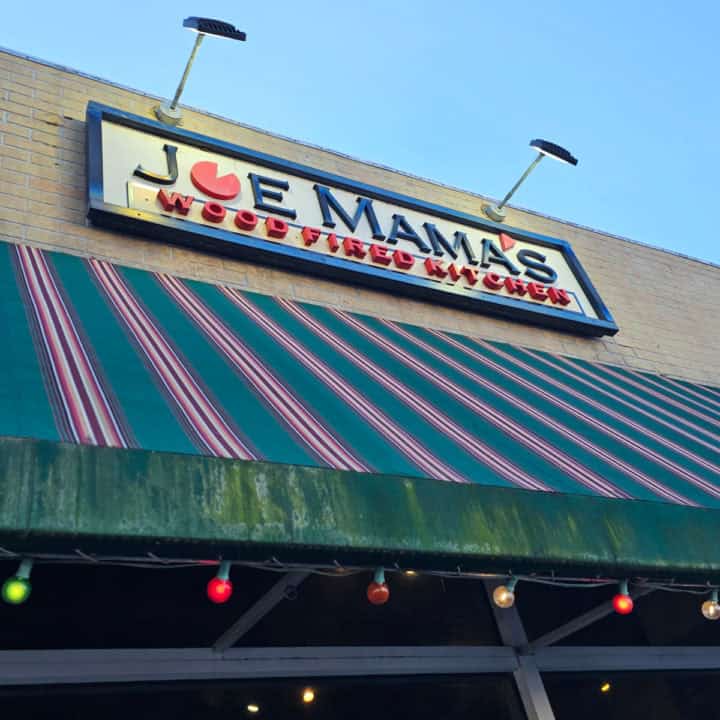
{"x":450,"y":91}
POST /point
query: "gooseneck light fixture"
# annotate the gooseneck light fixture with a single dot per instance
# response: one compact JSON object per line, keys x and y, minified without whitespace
{"x":169,"y":112}
{"x":543,"y":147}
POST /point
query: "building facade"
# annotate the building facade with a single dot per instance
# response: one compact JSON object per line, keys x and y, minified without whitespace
{"x":190,"y":382}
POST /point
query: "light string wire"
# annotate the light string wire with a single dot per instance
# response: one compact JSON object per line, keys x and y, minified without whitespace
{"x":337,"y":569}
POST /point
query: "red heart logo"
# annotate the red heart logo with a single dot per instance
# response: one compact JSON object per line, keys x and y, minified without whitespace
{"x":506,"y":242}
{"x":204,"y":176}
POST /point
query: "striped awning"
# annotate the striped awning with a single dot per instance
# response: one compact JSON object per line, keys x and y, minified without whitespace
{"x":99,"y":354}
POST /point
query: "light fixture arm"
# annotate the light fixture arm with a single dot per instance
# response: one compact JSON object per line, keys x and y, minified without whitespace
{"x":183,"y":79}
{"x":522,"y":179}
{"x":496,"y":212}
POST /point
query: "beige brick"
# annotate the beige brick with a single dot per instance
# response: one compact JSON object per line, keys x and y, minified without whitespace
{"x":12,"y":202}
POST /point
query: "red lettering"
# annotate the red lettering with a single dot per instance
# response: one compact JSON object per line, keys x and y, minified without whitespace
{"x":246,"y":219}
{"x":333,"y":243}
{"x":276,"y":228}
{"x":354,"y":247}
{"x":559,"y":296}
{"x":434,"y":267}
{"x":493,"y":281}
{"x":514,"y":285}
{"x":213,"y":211}
{"x":470,"y":274}
{"x":379,"y":254}
{"x":181,"y":203}
{"x":537,"y":291}
{"x":453,"y":271}
{"x":404,"y":260}
{"x":310,"y":235}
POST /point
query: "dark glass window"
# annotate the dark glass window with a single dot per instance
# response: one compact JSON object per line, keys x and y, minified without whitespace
{"x":362,"y":699}
{"x":657,"y":696}
{"x":544,"y":608}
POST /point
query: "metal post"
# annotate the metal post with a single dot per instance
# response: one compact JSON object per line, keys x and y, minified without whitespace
{"x":190,"y":62}
{"x":168,"y":113}
{"x":527,"y":676}
{"x":259,"y":610}
{"x":496,"y":212}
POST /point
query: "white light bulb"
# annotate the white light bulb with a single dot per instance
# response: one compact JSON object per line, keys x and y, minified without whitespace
{"x":503,"y":597}
{"x":711,"y":609}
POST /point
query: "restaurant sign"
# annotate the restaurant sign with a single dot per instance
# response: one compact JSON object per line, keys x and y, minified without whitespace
{"x":180,"y":187}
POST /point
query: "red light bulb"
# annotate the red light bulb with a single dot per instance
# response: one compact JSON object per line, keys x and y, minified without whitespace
{"x":623,"y":604}
{"x":219,"y":590}
{"x":378,"y":593}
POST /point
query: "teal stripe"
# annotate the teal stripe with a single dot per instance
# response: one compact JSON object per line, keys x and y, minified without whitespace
{"x":228,"y":389}
{"x":589,"y":428}
{"x":658,"y":383}
{"x":634,"y":458}
{"x":25,"y":408}
{"x":444,"y":446}
{"x":601,"y":467}
{"x":643,"y":391}
{"x":351,"y":427}
{"x":141,"y":401}
{"x":631,"y":414}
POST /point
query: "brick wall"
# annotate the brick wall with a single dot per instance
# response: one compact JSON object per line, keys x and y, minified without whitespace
{"x":666,"y":306}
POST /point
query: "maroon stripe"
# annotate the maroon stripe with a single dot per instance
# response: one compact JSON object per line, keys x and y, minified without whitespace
{"x":66,"y":350}
{"x":404,"y":442}
{"x":521,"y":434}
{"x":580,"y":414}
{"x":570,"y":369}
{"x":129,"y":307}
{"x":643,"y":387}
{"x":278,"y":398}
{"x":470,"y":443}
{"x":169,"y":366}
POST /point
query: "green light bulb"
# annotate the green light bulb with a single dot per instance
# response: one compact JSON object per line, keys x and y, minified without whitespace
{"x":16,"y":590}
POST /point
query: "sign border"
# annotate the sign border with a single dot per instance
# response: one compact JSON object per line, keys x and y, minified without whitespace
{"x":248,"y":247}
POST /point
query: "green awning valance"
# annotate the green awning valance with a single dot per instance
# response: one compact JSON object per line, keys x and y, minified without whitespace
{"x":61,"y":495}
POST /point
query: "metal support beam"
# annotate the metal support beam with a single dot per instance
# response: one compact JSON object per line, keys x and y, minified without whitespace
{"x":527,"y":676}
{"x":47,"y":667}
{"x":612,"y":659}
{"x":259,"y":610}
{"x":578,"y":623}
{"x":53,"y":667}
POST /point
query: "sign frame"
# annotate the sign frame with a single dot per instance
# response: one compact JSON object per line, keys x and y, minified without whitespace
{"x":246,"y":246}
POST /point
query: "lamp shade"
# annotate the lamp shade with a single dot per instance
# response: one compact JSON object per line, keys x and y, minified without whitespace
{"x":554,"y":151}
{"x":219,"y":28}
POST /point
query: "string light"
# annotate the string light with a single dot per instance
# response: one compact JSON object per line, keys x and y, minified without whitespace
{"x":253,"y":709}
{"x":606,"y":687}
{"x":622,"y":602}
{"x":219,"y":589}
{"x":504,"y":595}
{"x":16,"y":589}
{"x":711,"y":608}
{"x":308,"y":696}
{"x":378,"y":593}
